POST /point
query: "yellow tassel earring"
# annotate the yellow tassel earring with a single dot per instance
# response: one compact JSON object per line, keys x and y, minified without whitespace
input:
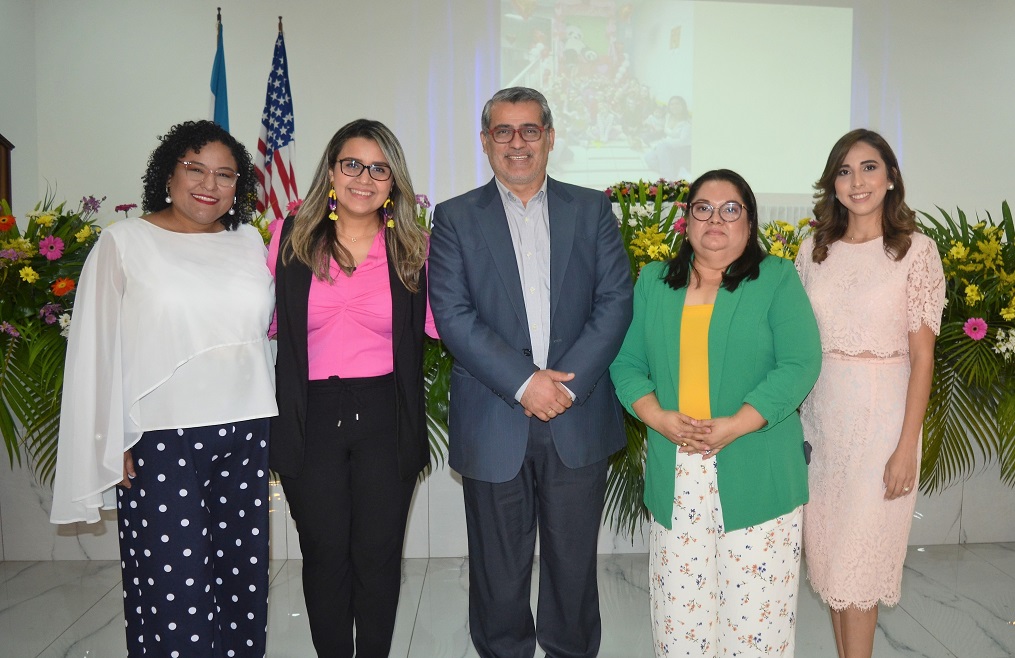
{"x":332,"y":205}
{"x":388,"y":210}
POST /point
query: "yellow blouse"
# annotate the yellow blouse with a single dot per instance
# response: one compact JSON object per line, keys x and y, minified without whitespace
{"x":693,"y":384}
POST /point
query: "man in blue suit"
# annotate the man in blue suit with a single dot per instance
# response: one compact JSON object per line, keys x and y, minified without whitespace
{"x":531,"y":292}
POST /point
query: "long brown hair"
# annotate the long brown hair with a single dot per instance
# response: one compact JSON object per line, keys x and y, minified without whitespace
{"x":312,"y":240}
{"x":898,"y":221}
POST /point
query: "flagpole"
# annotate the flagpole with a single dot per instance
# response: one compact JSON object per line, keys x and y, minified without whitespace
{"x":219,"y":96}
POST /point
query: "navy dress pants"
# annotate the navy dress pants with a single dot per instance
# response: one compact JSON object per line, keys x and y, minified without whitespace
{"x":566,"y":504}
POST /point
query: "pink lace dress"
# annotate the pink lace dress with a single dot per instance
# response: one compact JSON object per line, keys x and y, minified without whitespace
{"x":866,"y":304}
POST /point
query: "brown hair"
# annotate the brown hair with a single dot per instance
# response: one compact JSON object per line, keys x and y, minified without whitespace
{"x":898,"y":221}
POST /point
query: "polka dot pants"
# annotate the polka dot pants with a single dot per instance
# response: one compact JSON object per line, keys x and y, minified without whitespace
{"x":194,"y":542}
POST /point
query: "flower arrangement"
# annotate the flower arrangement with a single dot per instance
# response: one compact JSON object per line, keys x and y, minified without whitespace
{"x":39,"y":269}
{"x":649,"y":224}
{"x":783,"y":239}
{"x":972,"y":401}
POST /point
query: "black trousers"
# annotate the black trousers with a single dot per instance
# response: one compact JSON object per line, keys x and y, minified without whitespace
{"x":567,"y":505}
{"x":350,"y":508}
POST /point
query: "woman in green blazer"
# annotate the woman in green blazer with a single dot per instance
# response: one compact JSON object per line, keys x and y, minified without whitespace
{"x":722,"y":349}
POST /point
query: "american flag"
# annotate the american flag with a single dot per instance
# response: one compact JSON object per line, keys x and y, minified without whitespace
{"x":276,"y":180}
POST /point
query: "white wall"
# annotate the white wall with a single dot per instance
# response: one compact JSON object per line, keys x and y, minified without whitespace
{"x":86,"y":87}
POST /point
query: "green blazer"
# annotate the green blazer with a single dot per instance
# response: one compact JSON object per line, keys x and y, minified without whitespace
{"x":763,"y":349}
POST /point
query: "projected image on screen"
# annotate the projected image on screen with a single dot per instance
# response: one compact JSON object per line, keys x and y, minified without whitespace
{"x":668,"y":88}
{"x":615,"y":117}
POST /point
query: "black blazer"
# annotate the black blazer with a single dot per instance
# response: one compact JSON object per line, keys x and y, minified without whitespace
{"x":408,"y":316}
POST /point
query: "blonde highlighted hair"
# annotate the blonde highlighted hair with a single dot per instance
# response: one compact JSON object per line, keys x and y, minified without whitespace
{"x":312,"y":240}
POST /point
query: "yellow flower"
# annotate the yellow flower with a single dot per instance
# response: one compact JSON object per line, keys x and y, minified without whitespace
{"x":28,"y":274}
{"x":958,"y":251}
{"x":45,"y":220}
{"x":778,"y":249}
{"x":803,"y":222}
{"x":785,"y":226}
{"x":22,"y":245}
{"x":1008,"y":312}
{"x":973,"y":294}
{"x":84,"y":233}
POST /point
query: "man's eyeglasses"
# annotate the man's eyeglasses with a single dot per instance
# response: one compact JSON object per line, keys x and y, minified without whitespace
{"x":528,"y":132}
{"x":197,"y":173}
{"x":728,"y":212}
{"x":352,"y":168}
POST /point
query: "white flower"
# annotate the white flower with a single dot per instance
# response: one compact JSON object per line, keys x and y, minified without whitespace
{"x":64,"y":321}
{"x":632,"y":222}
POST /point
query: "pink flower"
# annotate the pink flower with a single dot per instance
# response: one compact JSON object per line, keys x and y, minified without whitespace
{"x":652,"y":190}
{"x":680,"y":226}
{"x":125,"y":207}
{"x":609,"y":191}
{"x":293,"y":206}
{"x":51,"y":247}
{"x":975,"y":328}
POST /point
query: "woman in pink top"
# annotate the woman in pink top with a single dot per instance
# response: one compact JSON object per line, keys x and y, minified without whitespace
{"x":877,"y":289}
{"x":350,"y":438}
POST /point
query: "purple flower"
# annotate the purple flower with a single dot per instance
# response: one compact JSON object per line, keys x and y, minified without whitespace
{"x":49,"y":312}
{"x":90,"y":204}
{"x":422,"y":200}
{"x":8,"y":328}
{"x":51,"y":247}
{"x":975,"y":328}
{"x":10,"y":254}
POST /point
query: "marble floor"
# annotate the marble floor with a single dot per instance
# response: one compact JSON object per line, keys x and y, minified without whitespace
{"x":958,"y":601}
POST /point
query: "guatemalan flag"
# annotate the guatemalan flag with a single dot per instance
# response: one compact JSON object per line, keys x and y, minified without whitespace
{"x":219,"y":98}
{"x":276,"y":181}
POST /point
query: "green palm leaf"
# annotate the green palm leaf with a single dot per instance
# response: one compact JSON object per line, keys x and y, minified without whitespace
{"x":959,"y":427}
{"x":625,"y":483}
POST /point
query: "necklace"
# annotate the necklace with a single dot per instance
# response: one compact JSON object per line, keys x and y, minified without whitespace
{"x":356,"y":239}
{"x":866,"y":239}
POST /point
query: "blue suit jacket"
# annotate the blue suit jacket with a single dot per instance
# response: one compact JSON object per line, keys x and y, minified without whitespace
{"x":476,"y":297}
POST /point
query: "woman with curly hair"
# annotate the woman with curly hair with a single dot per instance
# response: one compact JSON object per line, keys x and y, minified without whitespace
{"x":877,"y":288}
{"x":168,"y":390}
{"x":350,"y":438}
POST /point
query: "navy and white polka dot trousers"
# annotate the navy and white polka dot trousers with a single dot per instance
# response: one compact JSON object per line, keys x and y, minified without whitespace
{"x":194,"y":542}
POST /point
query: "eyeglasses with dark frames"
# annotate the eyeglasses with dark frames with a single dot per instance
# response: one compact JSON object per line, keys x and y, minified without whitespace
{"x":729,"y":212}
{"x":352,"y":168}
{"x":197,"y":172}
{"x":530,"y":132}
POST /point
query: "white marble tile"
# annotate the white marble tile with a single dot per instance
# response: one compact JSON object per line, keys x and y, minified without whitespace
{"x":898,"y":635}
{"x":1001,"y":555}
{"x":442,"y":627}
{"x":966,"y":601}
{"x":25,"y":505}
{"x":98,"y":632}
{"x":413,"y":577}
{"x":278,"y":526}
{"x":288,"y":626}
{"x":987,"y":506}
{"x":624,"y":606}
{"x":40,"y":600}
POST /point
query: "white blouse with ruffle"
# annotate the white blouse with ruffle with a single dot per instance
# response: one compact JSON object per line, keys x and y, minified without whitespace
{"x":169,"y":330}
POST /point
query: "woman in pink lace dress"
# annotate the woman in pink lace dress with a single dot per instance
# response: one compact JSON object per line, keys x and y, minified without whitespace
{"x":877,"y":288}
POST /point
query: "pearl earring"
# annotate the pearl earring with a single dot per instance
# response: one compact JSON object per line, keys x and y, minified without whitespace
{"x":169,"y":199}
{"x":891,"y":186}
{"x":232,"y":209}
